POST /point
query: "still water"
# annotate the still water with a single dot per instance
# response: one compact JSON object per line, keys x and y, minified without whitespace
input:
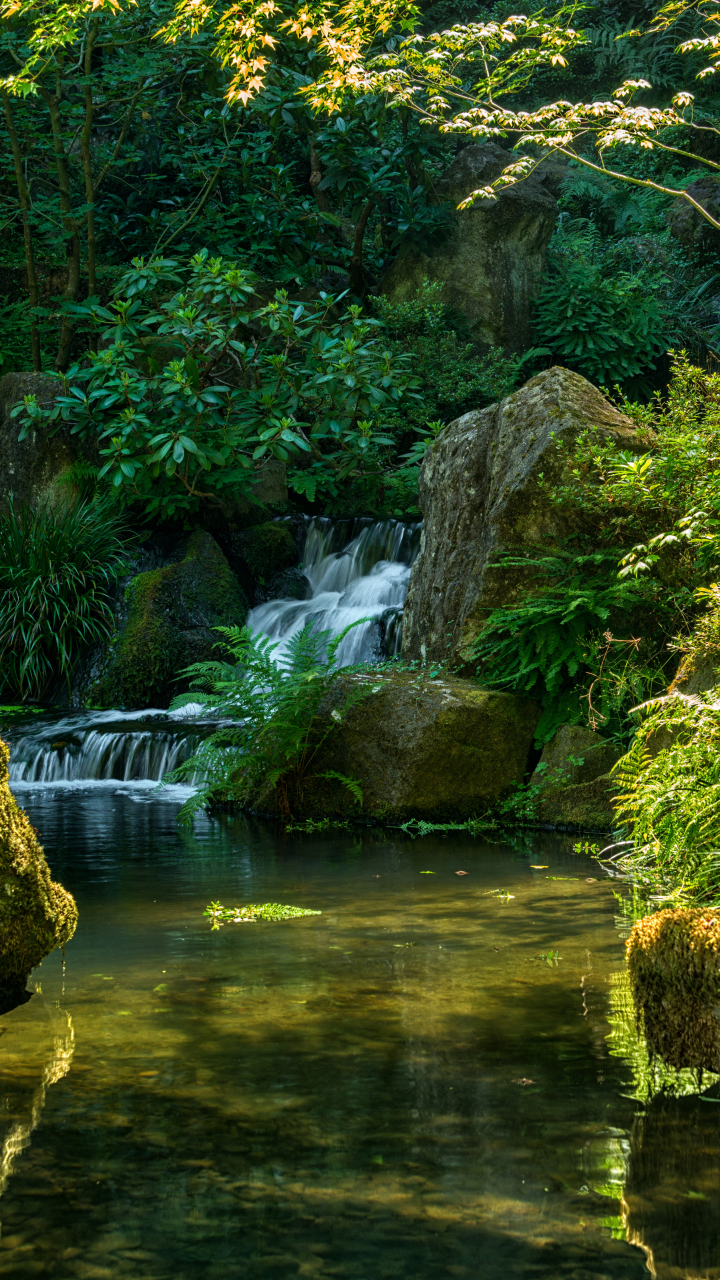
{"x":399,"y":1087}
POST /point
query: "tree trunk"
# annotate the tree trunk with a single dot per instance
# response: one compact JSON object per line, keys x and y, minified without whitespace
{"x":357,"y":279}
{"x":321,"y":198}
{"x":52,"y":102}
{"x":25,"y":205}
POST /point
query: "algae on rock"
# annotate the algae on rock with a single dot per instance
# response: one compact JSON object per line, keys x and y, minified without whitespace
{"x":36,"y":914}
{"x":171,"y":612}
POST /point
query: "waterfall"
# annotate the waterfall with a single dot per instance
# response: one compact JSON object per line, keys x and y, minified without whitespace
{"x":136,"y":748}
{"x":355,"y":569}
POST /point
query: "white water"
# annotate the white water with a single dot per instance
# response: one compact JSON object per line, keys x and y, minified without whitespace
{"x":136,"y":748}
{"x":355,"y":570}
{"x":366,"y":578}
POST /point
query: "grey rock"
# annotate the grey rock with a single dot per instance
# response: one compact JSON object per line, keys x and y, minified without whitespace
{"x":36,"y":469}
{"x":480,"y":496}
{"x":491,"y":261}
{"x":687,"y":225}
{"x":573,"y":774}
{"x":419,"y":748}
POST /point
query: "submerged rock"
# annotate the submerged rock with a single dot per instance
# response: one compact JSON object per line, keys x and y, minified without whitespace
{"x":674,"y":962}
{"x":36,"y":914}
{"x":481,"y":495}
{"x":574,"y":778}
{"x":420,"y":748}
{"x":166,"y":625}
{"x":491,"y":261}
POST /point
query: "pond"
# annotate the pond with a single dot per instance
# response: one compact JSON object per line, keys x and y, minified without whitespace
{"x":418,"y":1082}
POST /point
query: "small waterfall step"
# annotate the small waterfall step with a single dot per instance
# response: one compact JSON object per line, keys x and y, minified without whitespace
{"x":356,"y":569}
{"x":100,"y":746}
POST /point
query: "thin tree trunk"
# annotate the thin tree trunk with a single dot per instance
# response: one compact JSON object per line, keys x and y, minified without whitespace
{"x":52,"y":102}
{"x":85,"y":144}
{"x":356,"y":267}
{"x":25,"y":205}
{"x":321,"y":198}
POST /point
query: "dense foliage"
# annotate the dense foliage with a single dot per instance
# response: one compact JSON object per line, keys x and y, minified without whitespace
{"x":57,"y":565}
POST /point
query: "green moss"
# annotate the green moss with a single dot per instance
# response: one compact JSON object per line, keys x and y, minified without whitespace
{"x":674,"y":963}
{"x":171,"y":613}
{"x":267,"y":548}
{"x":36,"y":914}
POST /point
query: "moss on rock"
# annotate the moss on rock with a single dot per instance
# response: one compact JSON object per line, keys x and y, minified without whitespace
{"x":419,"y":748}
{"x":674,"y":963}
{"x":170,"y":615}
{"x":574,"y":780}
{"x":36,"y":914}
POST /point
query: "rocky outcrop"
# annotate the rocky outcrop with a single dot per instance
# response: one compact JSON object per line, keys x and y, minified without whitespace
{"x":687,"y":225}
{"x":574,"y":780}
{"x":421,"y":748}
{"x":166,"y":624}
{"x":36,"y":914}
{"x":37,"y":469}
{"x":262,"y":557}
{"x":480,"y":495}
{"x":493,"y":256}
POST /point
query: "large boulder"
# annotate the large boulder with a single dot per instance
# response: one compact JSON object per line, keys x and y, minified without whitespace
{"x":167,"y":623}
{"x":419,"y":748}
{"x":261,"y":556}
{"x":491,"y":261}
{"x":575,"y":787}
{"x":39,"y":468}
{"x":480,"y":495}
{"x":36,"y":914}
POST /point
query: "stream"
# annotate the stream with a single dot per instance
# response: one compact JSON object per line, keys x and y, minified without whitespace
{"x":438,"y":1076}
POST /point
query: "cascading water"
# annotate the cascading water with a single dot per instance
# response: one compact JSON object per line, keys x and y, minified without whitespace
{"x":135,"y":748}
{"x":355,"y":570}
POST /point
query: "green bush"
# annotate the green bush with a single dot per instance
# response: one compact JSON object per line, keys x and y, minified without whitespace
{"x":607,"y":326}
{"x":56,"y":568}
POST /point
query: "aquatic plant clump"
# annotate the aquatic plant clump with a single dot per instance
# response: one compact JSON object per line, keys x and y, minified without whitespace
{"x":674,"y":963}
{"x":220,"y":915}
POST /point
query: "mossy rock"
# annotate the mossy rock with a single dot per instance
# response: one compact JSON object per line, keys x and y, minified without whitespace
{"x":576,"y":786}
{"x":171,"y":613}
{"x":36,"y":914}
{"x":674,"y":962}
{"x":419,"y":748}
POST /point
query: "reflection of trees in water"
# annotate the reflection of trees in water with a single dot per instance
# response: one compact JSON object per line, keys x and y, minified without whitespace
{"x":672,"y":1191}
{"x":671,"y":1196}
{"x":19,"y":1135}
{"x":624,"y":1041}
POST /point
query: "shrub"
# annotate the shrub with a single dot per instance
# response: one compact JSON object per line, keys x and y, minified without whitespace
{"x":269,"y":711}
{"x":56,"y":568}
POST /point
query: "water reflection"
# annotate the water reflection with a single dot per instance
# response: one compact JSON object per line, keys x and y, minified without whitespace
{"x":399,"y":1087}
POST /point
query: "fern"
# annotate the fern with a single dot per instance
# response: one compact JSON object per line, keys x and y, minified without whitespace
{"x":669,"y":799}
{"x":272,"y":717}
{"x":550,"y":645}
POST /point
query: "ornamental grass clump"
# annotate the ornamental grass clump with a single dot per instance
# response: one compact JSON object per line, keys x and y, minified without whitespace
{"x":57,"y":566}
{"x":674,"y":963}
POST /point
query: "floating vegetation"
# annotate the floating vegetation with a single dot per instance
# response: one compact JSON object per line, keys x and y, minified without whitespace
{"x":552,"y":958}
{"x":310,"y":825}
{"x":674,"y":964}
{"x":220,"y":915}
